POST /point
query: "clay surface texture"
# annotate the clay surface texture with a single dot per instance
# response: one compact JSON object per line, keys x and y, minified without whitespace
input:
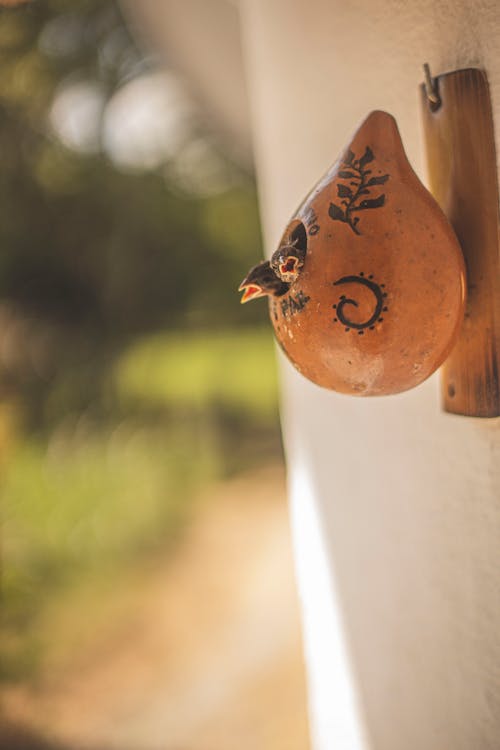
{"x":379,"y":301}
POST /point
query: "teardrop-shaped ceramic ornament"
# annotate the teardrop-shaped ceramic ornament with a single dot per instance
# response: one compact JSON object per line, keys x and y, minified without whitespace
{"x":369,"y":285}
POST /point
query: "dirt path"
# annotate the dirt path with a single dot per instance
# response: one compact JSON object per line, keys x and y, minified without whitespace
{"x":205,"y":651}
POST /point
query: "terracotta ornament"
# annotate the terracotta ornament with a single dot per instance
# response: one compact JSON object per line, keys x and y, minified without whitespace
{"x":367,"y":287}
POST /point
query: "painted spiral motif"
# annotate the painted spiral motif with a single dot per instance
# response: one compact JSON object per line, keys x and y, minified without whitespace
{"x":379,"y":299}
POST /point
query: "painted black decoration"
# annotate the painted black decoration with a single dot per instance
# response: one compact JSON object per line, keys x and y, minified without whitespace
{"x":293,"y":304}
{"x":380,"y":307}
{"x":359,"y":184}
{"x":311,"y":221}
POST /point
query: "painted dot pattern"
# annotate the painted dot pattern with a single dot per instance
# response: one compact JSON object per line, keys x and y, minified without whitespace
{"x":344,"y":303}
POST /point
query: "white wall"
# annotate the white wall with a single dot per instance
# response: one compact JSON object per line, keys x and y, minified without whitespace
{"x":395,"y":505}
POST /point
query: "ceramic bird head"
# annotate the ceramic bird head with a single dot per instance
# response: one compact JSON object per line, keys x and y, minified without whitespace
{"x":374,"y":276}
{"x":288,"y":261}
{"x":261,"y":281}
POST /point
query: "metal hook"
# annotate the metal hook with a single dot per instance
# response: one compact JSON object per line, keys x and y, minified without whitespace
{"x":431,"y":89}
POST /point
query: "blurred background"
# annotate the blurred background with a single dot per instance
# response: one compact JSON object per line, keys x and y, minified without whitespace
{"x":147,"y":587}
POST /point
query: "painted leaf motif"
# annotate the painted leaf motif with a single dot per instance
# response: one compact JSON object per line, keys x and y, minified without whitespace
{"x":377,"y":180}
{"x":348,"y":158}
{"x":366,"y":158}
{"x":336,"y":213}
{"x":344,"y":192}
{"x":371,"y":203}
{"x":360,"y":181}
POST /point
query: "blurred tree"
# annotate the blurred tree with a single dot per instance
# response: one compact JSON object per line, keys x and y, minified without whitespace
{"x":124,"y":232}
{"x":95,"y":252}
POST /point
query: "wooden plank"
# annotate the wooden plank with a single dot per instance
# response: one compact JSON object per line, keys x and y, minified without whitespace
{"x":462,"y":169}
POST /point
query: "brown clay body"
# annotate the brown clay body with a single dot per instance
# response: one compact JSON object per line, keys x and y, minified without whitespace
{"x":379,"y":302}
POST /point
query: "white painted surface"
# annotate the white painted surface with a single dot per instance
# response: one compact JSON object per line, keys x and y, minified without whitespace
{"x":395,"y":505}
{"x":201,"y":40}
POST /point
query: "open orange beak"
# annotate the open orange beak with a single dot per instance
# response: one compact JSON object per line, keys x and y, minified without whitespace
{"x":251,"y":291}
{"x":289,"y":266}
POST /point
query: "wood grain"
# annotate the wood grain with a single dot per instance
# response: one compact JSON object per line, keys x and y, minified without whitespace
{"x":461,"y":158}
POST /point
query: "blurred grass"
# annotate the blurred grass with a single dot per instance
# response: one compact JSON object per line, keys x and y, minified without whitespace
{"x":91,"y":498}
{"x":114,"y":427}
{"x":233,"y":369}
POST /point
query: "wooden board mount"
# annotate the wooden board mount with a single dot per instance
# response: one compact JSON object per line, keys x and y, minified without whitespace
{"x":461,"y":157}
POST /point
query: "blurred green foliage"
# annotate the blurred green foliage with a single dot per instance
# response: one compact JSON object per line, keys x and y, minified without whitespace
{"x":87,"y":503}
{"x":97,"y":255}
{"x":202,"y":370}
{"x":132,"y":372}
